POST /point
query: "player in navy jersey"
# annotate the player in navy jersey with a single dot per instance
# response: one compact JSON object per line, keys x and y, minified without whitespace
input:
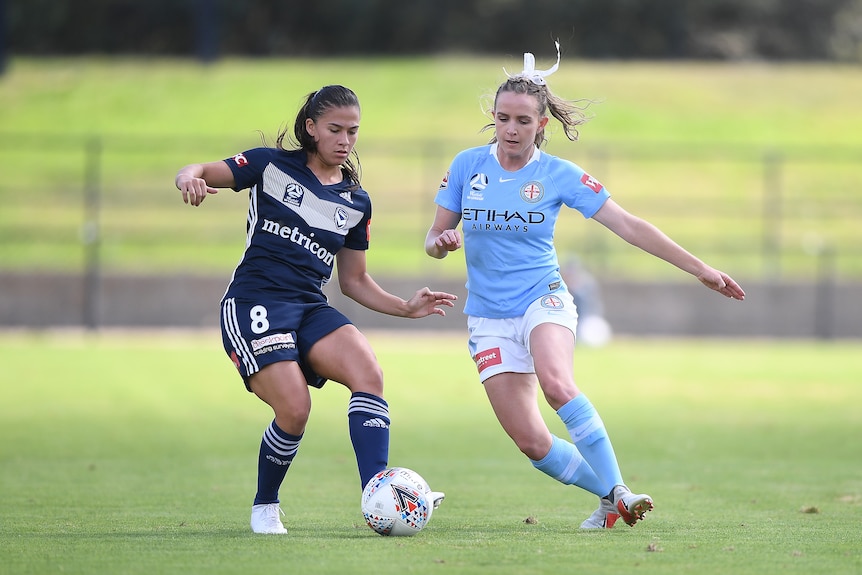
{"x":521,"y":316}
{"x":306,"y":212}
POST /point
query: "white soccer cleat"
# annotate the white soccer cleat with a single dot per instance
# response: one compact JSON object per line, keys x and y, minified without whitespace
{"x":602,"y":518}
{"x":632,"y":507}
{"x":436,"y":498}
{"x":265,"y":518}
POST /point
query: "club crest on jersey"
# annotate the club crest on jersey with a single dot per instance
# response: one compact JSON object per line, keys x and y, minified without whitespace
{"x":240,"y":160}
{"x":293,"y":194}
{"x":552,"y":302}
{"x":591,"y":183}
{"x":478,"y":182}
{"x":340,"y":218}
{"x":532,"y":192}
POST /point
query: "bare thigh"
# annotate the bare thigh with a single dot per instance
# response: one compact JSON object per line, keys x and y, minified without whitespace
{"x":553,"y":348}
{"x":345,"y":356}
{"x":513,"y":398}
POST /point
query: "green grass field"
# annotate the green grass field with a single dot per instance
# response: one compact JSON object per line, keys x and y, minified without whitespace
{"x":135,"y":453}
{"x":683,"y":144}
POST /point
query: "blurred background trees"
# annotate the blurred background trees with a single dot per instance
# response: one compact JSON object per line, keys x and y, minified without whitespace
{"x":619,"y":29}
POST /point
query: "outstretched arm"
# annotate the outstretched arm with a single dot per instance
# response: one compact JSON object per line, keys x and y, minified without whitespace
{"x":195,"y":181}
{"x":649,"y":238}
{"x":357,"y":284}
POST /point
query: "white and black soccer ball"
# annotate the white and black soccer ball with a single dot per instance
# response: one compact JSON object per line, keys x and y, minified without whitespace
{"x":435,"y":498}
{"x":413,"y":477}
{"x":397,"y":501}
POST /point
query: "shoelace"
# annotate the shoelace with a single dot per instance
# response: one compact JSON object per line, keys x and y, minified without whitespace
{"x":272,"y":513}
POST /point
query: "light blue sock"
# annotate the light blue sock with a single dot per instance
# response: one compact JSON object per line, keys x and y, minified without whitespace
{"x":591,"y":438}
{"x":566,"y":465}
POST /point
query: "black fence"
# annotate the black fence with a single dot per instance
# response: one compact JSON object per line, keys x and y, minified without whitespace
{"x":105,"y":205}
{"x":73,"y":203}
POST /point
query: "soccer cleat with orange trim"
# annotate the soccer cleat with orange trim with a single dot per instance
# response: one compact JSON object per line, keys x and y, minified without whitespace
{"x":436,"y":498}
{"x":602,"y":518}
{"x":631,"y":507}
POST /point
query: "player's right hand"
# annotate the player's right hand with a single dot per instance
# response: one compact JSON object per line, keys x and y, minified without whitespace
{"x":194,"y":190}
{"x":449,"y":240}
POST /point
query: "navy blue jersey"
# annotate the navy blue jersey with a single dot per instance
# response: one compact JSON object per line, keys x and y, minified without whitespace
{"x":295,"y":226}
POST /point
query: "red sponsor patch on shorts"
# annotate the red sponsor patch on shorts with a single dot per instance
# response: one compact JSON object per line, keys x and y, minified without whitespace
{"x":487,"y":358}
{"x":591,"y":183}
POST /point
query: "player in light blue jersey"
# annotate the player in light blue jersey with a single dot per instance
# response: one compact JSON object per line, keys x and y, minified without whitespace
{"x":306,"y":212}
{"x":521,"y":316}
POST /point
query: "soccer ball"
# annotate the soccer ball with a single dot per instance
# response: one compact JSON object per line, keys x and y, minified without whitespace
{"x":433,"y":497}
{"x":413,"y":477}
{"x":397,"y":501}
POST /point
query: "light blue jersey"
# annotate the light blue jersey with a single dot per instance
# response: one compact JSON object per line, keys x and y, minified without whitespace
{"x":508,"y":221}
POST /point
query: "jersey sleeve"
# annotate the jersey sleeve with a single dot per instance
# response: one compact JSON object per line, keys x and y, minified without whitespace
{"x":449,"y":193}
{"x":248,"y":166}
{"x":359,"y":236}
{"x":583,"y":192}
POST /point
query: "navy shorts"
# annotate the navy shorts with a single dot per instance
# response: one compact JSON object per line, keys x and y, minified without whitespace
{"x":258,"y":333}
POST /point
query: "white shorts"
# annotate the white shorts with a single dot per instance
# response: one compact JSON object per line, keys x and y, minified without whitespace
{"x":503,"y":345}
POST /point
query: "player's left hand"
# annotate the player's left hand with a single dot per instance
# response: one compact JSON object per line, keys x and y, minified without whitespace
{"x":722,"y":283}
{"x":426,"y":302}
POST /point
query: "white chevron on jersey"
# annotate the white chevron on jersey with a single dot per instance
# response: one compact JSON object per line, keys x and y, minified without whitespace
{"x":317,"y":213}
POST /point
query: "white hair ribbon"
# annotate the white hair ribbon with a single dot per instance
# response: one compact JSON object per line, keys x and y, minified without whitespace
{"x":529,"y":72}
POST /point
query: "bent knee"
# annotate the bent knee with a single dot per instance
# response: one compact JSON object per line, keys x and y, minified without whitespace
{"x":533,"y":447}
{"x":367,"y":380}
{"x":558,"y":393}
{"x":291,"y":418}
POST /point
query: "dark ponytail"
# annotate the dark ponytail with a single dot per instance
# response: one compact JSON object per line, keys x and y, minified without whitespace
{"x":315,"y":105}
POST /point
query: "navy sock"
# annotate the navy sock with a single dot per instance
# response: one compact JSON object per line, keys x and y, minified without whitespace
{"x":277,"y":450}
{"x":368,"y":420}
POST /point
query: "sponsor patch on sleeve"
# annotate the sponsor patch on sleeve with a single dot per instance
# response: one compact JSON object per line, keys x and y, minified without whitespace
{"x":591,"y":183}
{"x":240,"y":160}
{"x":445,"y":183}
